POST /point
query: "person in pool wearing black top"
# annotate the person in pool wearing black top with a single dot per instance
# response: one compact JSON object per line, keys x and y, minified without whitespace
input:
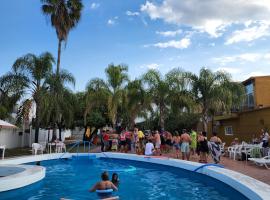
{"x":115,"y":179}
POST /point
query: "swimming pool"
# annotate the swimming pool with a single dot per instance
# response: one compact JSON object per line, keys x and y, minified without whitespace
{"x":72,"y":178}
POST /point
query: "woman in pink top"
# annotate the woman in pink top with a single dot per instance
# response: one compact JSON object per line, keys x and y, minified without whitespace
{"x":122,"y":139}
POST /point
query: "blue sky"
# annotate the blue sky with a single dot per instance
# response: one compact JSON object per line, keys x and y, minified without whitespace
{"x":154,"y":34}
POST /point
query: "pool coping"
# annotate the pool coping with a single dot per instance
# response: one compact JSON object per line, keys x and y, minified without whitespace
{"x":248,"y":186}
{"x":29,"y":175}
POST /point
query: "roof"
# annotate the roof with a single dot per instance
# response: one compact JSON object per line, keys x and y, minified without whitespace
{"x":254,"y":77}
{"x":4,"y":124}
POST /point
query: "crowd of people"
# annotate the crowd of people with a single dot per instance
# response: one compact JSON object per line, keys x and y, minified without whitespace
{"x":156,"y":143}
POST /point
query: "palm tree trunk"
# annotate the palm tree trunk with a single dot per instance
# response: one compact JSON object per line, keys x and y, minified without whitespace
{"x":58,"y":56}
{"x":161,"y":116}
{"x":205,"y":121}
{"x":37,"y":122}
{"x":132,"y":121}
{"x":60,"y":131}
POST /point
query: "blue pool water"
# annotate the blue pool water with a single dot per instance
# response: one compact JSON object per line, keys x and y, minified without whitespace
{"x":71,"y":179}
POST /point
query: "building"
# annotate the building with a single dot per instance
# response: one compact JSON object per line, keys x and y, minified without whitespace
{"x":247,"y":122}
{"x":9,"y":137}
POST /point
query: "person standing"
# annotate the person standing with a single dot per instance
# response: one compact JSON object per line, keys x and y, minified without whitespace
{"x":102,"y":140}
{"x":157,"y":142}
{"x":128,"y":140}
{"x":265,"y":138}
{"x":193,"y":145}
{"x":168,"y":141}
{"x":214,"y":147}
{"x":265,"y":142}
{"x":122,"y":139}
{"x":185,"y":139}
{"x":203,"y":147}
{"x":176,"y":144}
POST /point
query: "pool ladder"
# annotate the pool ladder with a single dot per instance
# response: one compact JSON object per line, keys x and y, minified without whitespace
{"x":77,"y":144}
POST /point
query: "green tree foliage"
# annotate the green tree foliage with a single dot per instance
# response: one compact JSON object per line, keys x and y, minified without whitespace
{"x":12,"y":87}
{"x":117,"y":77}
{"x":34,"y":69}
{"x":59,"y":101}
{"x":214,"y":92}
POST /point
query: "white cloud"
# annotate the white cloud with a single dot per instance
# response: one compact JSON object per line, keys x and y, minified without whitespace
{"x":151,"y":66}
{"x":210,"y":16}
{"x":178,"y":44}
{"x":94,"y":6}
{"x":129,"y":13}
{"x":250,"y":33}
{"x":112,"y":21}
{"x":246,"y":57}
{"x":169,"y":33}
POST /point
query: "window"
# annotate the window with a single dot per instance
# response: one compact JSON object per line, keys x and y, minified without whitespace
{"x":249,"y":101}
{"x":228,"y":130}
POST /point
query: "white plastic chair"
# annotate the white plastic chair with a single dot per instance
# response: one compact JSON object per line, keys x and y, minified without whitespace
{"x":231,"y":150}
{"x":37,"y":147}
{"x":60,"y":146}
{"x":265,"y":161}
{"x":238,"y":151}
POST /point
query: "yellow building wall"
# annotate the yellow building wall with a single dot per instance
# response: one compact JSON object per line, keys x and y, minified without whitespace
{"x":262,"y":91}
{"x":245,"y":126}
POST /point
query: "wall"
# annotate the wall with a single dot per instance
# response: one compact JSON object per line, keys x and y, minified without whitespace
{"x":246,"y":125}
{"x":43,"y":135}
{"x":262,"y":88}
{"x":11,"y":138}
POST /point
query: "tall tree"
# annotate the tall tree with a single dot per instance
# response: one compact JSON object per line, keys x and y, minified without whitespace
{"x":64,"y":15}
{"x":158,"y":87}
{"x":12,"y":87}
{"x":117,"y":77}
{"x":169,"y":93}
{"x":137,"y":100}
{"x":35,"y":69}
{"x":59,"y":101}
{"x":97,"y":93}
{"x":215,"y":92}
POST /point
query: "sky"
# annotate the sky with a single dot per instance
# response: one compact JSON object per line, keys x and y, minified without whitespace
{"x":227,"y":35}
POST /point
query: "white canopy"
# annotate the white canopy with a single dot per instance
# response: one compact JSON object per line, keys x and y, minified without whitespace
{"x":4,"y":124}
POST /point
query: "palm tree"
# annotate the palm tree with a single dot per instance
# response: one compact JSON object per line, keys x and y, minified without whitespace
{"x":215,"y":92}
{"x":158,"y":87}
{"x":65,"y":15}
{"x":180,"y":96}
{"x":137,"y":100}
{"x":35,"y":69}
{"x":12,"y":87}
{"x":59,"y":101}
{"x":117,"y":76}
{"x":97,"y":93}
{"x":169,"y":93}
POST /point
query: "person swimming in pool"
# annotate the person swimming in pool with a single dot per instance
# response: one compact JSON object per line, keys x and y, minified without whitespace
{"x":104,"y":184}
{"x":115,"y":179}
